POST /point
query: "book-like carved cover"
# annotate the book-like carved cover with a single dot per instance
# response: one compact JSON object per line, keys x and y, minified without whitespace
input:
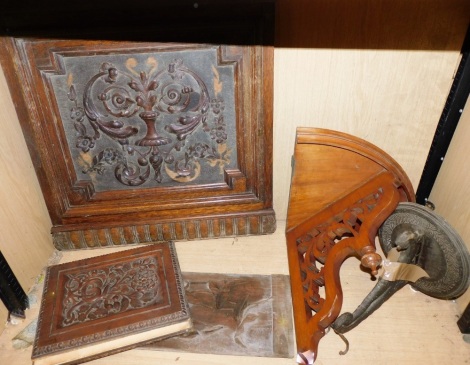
{"x":107,"y":304}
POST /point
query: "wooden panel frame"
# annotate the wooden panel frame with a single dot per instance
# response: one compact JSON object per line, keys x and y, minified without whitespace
{"x":83,"y":217}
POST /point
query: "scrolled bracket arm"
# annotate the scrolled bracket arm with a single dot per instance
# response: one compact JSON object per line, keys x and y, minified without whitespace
{"x":362,"y":212}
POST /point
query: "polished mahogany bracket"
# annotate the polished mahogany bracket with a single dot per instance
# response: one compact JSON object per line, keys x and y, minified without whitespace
{"x":342,"y":190}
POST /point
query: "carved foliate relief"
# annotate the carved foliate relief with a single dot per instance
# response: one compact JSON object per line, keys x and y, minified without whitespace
{"x":314,"y":246}
{"x":148,"y":119}
{"x":110,"y":290}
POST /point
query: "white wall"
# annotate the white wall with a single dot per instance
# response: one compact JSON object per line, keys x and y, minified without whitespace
{"x":25,"y":240}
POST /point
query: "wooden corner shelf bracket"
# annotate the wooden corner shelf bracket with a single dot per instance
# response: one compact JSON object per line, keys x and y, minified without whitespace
{"x":342,"y":190}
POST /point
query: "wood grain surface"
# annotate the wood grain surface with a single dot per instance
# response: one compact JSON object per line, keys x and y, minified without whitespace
{"x":392,"y":99}
{"x":410,"y":329}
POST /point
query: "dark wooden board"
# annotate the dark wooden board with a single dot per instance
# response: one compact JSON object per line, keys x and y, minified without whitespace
{"x":248,"y":22}
{"x":248,"y":315}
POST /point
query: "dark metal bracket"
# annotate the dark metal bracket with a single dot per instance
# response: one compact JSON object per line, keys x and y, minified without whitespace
{"x":424,"y":239}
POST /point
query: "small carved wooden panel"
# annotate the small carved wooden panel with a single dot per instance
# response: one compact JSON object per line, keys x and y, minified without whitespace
{"x":140,"y":142}
{"x":109,"y":297}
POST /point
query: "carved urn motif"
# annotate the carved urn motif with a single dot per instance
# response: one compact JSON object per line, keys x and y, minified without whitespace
{"x":144,"y":117}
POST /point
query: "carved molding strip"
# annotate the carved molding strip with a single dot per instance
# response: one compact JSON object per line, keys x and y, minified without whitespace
{"x":159,"y":232}
{"x":110,"y":333}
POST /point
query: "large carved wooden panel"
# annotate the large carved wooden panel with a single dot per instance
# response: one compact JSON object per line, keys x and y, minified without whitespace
{"x":140,"y":142}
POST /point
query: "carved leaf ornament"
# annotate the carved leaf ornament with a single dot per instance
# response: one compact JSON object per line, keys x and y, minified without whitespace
{"x":103,"y":292}
{"x":314,"y":247}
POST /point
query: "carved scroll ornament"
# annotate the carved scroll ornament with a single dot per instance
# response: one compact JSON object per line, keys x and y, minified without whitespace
{"x":153,"y":122}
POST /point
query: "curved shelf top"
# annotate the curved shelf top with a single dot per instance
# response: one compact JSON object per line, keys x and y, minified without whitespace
{"x":331,"y":164}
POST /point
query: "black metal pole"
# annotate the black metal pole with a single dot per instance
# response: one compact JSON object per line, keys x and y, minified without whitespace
{"x":11,"y":292}
{"x":447,"y":124}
